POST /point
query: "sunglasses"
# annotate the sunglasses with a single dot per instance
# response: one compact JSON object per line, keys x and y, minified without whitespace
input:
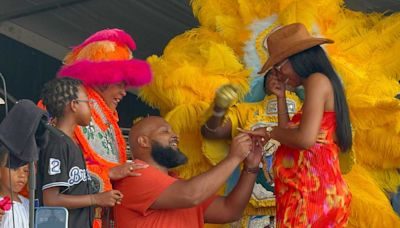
{"x":279,"y":67}
{"x":89,"y":101}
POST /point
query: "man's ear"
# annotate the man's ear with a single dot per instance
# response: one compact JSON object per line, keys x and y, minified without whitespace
{"x":144,"y":141}
{"x":73,"y":106}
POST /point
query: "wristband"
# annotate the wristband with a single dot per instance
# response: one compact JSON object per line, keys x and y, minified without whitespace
{"x":218,"y":114}
{"x":251,"y":170}
{"x":210,"y":129}
{"x":91,"y":200}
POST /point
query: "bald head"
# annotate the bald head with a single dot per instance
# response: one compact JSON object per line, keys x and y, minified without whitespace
{"x":144,"y":131}
{"x":146,"y":126}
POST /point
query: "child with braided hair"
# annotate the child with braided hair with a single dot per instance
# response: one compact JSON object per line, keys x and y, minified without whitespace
{"x":62,"y":173}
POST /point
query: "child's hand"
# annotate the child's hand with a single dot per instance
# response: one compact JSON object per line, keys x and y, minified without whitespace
{"x":1,"y":214}
{"x":107,"y":199}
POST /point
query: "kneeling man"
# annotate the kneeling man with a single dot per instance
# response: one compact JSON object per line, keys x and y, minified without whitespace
{"x":157,"y":199}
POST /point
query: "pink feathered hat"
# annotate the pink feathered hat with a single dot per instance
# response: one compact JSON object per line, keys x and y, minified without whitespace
{"x":106,"y":58}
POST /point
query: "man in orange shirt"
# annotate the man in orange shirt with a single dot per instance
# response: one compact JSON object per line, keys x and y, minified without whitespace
{"x":157,"y":199}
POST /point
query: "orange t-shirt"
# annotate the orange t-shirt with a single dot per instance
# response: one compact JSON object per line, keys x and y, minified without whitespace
{"x":141,"y":192}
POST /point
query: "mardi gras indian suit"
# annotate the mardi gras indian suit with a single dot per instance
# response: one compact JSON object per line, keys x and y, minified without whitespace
{"x":228,"y":48}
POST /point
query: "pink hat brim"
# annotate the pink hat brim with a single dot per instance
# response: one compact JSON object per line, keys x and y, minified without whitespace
{"x":133,"y":72}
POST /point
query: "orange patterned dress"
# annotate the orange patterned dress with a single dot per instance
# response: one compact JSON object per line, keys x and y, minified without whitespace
{"x":310,"y":190}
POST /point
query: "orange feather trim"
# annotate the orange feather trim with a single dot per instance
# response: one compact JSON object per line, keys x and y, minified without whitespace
{"x":100,"y":51}
{"x":90,"y":154}
{"x":112,"y":118}
{"x":101,"y":173}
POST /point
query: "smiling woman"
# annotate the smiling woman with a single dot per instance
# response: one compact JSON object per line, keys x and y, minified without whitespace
{"x":112,"y":94}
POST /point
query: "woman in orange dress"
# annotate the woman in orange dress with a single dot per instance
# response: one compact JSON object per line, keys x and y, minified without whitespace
{"x":309,"y":186}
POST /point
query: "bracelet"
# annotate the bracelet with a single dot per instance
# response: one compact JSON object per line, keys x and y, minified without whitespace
{"x":251,"y":170}
{"x":210,"y":129}
{"x":91,"y":200}
{"x":282,"y":113}
{"x":218,"y":114}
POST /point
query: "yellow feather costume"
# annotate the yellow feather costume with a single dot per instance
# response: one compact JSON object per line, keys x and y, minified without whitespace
{"x":228,"y":48}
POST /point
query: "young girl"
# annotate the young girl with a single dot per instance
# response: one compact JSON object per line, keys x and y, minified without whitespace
{"x":12,"y":180}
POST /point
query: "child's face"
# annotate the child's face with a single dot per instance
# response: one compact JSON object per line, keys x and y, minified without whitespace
{"x":19,"y":178}
{"x":83,"y":107}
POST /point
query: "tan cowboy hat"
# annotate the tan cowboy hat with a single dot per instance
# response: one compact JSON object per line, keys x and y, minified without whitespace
{"x":287,"y":41}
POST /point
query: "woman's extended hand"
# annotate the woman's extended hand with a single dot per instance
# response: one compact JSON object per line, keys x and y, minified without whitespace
{"x":125,"y":170}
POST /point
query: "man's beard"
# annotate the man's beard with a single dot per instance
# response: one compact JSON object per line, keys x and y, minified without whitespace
{"x":167,"y":156}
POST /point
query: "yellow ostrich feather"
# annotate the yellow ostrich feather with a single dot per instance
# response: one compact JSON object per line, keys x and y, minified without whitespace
{"x":251,"y":10}
{"x":378,"y":148}
{"x":193,"y":66}
{"x":387,"y":179}
{"x":369,"y":203}
{"x":207,"y":10}
{"x":292,"y":11}
{"x":227,"y":27}
{"x":179,"y":75}
{"x":385,"y":110}
{"x":222,"y":16}
{"x":365,"y":55}
{"x":186,"y":117}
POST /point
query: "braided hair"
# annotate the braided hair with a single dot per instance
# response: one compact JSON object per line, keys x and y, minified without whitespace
{"x":57,"y":93}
